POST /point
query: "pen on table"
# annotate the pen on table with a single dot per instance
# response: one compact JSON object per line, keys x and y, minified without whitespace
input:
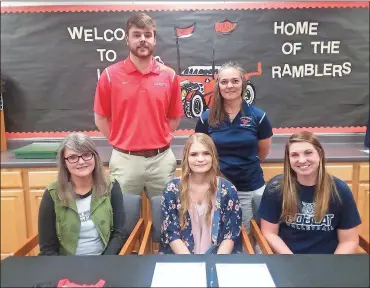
{"x":212,"y":276}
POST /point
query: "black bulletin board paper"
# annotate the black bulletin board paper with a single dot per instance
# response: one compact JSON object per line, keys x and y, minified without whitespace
{"x":51,"y":78}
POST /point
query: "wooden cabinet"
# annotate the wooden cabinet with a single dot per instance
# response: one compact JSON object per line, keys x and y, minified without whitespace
{"x":178,"y":171}
{"x":37,"y":182}
{"x":34,"y":204}
{"x":363,"y":200}
{"x":13,"y":221}
{"x":11,"y":179}
{"x":38,"y":179}
{"x":42,"y":178}
{"x":364,"y":172}
{"x":270,"y":170}
{"x":343,"y":171}
{"x":13,"y":214}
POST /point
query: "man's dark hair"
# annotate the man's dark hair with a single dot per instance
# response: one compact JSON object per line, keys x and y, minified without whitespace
{"x":142,"y":21}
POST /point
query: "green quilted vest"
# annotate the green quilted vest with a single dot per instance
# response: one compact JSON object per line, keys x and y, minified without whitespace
{"x":68,"y":221}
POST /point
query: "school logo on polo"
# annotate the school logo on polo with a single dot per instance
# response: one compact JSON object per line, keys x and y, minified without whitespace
{"x":160,"y":84}
{"x":305,"y":219}
{"x":245,"y":121}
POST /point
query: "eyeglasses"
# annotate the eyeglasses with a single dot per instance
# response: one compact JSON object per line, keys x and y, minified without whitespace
{"x":75,"y":158}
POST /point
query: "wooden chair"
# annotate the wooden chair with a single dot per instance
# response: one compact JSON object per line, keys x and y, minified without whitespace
{"x":133,"y":223}
{"x":265,"y":247}
{"x":152,"y":234}
{"x":363,"y":246}
{"x":246,"y":242}
{"x":257,"y":237}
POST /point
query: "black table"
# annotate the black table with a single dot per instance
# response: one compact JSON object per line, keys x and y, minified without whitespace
{"x":133,"y":270}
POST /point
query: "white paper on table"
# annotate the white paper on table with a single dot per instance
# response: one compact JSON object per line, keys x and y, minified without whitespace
{"x":180,"y":275}
{"x":244,"y":275}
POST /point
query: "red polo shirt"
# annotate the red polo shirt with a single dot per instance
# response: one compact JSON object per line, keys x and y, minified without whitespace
{"x":138,"y":105}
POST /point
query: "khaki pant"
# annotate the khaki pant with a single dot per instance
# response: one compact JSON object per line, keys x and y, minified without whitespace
{"x":136,"y":174}
{"x":245,"y":198}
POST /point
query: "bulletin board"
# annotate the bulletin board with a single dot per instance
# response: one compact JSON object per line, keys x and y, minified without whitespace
{"x":307,"y":62}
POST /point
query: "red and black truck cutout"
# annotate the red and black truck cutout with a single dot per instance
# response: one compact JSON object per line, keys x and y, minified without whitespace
{"x":197,"y":88}
{"x":197,"y":82}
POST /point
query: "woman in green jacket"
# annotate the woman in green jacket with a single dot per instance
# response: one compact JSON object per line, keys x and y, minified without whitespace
{"x":82,"y":212}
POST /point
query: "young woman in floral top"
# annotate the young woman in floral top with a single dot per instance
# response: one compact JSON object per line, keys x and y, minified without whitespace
{"x":200,"y":211}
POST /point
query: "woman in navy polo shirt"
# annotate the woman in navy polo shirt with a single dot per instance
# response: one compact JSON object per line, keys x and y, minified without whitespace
{"x":306,"y":210}
{"x":242,"y":134}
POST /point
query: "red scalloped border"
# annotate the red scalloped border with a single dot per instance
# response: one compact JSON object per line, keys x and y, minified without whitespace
{"x":183,"y":6}
{"x":186,"y":132}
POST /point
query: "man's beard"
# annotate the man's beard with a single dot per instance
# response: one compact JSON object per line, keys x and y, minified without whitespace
{"x":135,"y":51}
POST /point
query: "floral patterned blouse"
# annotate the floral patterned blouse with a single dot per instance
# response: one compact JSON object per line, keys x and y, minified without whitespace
{"x":226,"y":224}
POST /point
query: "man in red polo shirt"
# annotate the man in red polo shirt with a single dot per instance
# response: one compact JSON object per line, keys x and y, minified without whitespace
{"x":137,"y":107}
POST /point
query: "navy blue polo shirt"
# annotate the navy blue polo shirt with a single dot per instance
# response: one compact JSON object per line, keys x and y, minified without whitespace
{"x":303,"y":235}
{"x":237,"y":145}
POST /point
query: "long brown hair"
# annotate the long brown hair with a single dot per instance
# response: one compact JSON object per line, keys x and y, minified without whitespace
{"x":217,"y":112}
{"x":80,"y":143}
{"x":325,"y":186}
{"x":212,"y":174}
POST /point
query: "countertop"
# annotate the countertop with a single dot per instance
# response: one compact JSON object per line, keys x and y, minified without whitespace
{"x":338,"y":148}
